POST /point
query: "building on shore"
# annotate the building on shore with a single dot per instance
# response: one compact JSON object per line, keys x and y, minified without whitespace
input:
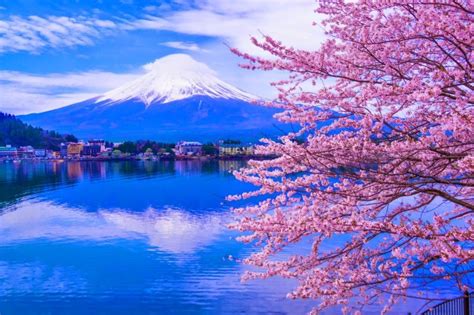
{"x":98,"y":142}
{"x":53,"y":154}
{"x":90,"y":150}
{"x":26,"y":152}
{"x":236,"y":149}
{"x":74,"y":150}
{"x":8,"y":152}
{"x":188,"y":148}
{"x":41,"y":153}
{"x":148,"y":155}
{"x":93,"y":148}
{"x":63,"y":149}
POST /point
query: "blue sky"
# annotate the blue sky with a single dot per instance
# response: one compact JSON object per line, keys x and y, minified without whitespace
{"x":54,"y":53}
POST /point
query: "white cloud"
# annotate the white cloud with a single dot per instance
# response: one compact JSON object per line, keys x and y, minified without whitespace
{"x":289,"y":21}
{"x":233,"y":21}
{"x":18,"y":101}
{"x":182,"y":45}
{"x":157,"y":8}
{"x":25,"y":93}
{"x":35,"y":33}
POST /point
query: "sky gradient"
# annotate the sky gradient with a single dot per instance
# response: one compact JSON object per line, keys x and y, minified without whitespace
{"x":55,"y":53}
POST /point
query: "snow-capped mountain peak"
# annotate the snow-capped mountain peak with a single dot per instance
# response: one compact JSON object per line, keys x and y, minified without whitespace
{"x":173,"y":78}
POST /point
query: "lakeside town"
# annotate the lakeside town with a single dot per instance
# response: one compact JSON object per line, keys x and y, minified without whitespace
{"x":98,"y":149}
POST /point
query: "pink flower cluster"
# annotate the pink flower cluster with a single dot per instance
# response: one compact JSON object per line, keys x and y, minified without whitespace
{"x":392,"y":174}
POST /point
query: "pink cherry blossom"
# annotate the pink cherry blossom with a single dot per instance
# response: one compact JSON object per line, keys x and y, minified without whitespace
{"x":385,"y":191}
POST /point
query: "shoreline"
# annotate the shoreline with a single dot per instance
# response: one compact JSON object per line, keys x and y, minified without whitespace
{"x":155,"y":159}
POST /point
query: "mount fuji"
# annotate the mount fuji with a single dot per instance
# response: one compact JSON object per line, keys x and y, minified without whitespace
{"x":178,"y":98}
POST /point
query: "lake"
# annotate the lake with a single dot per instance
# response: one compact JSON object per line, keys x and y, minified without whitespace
{"x":134,"y":237}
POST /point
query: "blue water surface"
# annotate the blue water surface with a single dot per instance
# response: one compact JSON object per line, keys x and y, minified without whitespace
{"x":127,"y":238}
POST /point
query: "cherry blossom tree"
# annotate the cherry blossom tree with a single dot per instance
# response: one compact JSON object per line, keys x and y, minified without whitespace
{"x":375,"y":186}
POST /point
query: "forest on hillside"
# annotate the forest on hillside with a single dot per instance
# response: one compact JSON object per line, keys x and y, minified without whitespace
{"x":16,"y":133}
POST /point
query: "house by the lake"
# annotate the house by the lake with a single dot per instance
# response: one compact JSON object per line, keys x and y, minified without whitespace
{"x":187,"y":148}
{"x":8,"y":152}
{"x":235,"y":149}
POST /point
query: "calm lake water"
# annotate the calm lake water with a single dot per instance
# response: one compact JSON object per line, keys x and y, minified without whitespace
{"x":127,"y":238}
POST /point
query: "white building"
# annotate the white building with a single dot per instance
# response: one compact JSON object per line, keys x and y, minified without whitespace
{"x":188,"y":148}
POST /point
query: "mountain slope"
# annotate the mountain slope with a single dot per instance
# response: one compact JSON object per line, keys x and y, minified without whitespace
{"x":178,"y":99}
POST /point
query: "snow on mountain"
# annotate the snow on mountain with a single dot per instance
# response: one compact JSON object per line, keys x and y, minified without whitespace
{"x":171,"y":78}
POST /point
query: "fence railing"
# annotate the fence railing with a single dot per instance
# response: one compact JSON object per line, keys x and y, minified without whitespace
{"x":463,"y":305}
